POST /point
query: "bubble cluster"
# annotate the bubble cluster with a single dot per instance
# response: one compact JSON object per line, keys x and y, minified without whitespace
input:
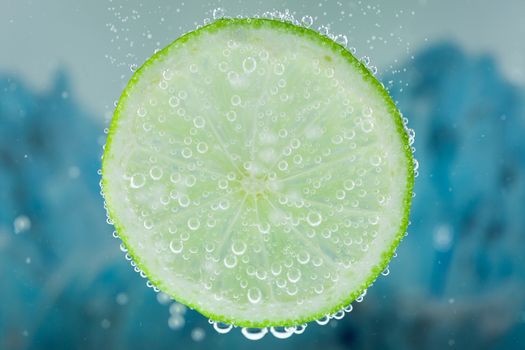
{"x":176,"y":320}
{"x":259,"y":177}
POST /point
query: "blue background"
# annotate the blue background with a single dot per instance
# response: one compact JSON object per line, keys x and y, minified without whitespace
{"x":458,"y":281}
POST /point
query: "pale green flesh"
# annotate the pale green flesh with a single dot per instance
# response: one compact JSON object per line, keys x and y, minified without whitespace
{"x":272,"y":208}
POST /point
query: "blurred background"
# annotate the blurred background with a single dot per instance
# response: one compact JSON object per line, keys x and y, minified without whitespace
{"x":456,"y":69}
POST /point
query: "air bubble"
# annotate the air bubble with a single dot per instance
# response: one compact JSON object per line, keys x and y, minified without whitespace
{"x":224,"y":204}
{"x":147,"y":127}
{"x":249,"y":64}
{"x":367,"y":126}
{"x":202,"y":147}
{"x":303,"y":257}
{"x":222,"y":328}
{"x":314,"y":218}
{"x":148,"y":224}
{"x":155,"y":172}
{"x":254,"y":295}
{"x":299,"y":329}
{"x":231,"y":116}
{"x":294,"y":275}
{"x":199,"y":122}
{"x":177,"y":309}
{"x":235,"y":100}
{"x":318,"y":261}
{"x":297,"y":159}
{"x":324,"y":30}
{"x":197,"y":334}
{"x":278,"y":69}
{"x":232,"y":44}
{"x":373,"y":220}
{"x":21,"y":223}
{"x":194,"y":224}
{"x":218,"y":13}
{"x":163,"y":298}
{"x":261,"y":275}
{"x":367,"y":111}
{"x":283,"y":165}
{"x":137,"y":181}
{"x":254,"y":333}
{"x":341,"y":40}
{"x":163,"y":85}
{"x":238,"y":248}
{"x":263,"y":227}
{"x":223,"y":66}
{"x":190,"y":180}
{"x":176,"y":322}
{"x":230,"y":261}
{"x":186,"y":152}
{"x":141,"y":112}
{"x":282,"y":332}
{"x":264,"y":55}
{"x":323,"y":320}
{"x":337,"y":139}
{"x":276,"y":269}
{"x":223,"y":184}
{"x":339,"y":315}
{"x":292,"y":290}
{"x":233,"y":77}
{"x":183,"y":200}
{"x":209,"y":247}
{"x":349,"y":134}
{"x":167,"y":74}
{"x":375,"y":160}
{"x":307,"y":21}
{"x":295,"y":143}
{"x":176,"y":246}
{"x":349,"y":185}
{"x":174,"y":101}
{"x":349,"y":308}
{"x":361,"y":297}
{"x":183,"y":94}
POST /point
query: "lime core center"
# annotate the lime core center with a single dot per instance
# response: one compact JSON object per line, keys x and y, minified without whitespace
{"x":253,"y":185}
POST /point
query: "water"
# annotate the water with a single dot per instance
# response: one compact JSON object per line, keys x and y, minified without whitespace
{"x":475,"y":158}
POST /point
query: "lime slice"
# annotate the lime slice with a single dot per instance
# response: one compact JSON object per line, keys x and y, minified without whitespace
{"x":258,"y":173}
